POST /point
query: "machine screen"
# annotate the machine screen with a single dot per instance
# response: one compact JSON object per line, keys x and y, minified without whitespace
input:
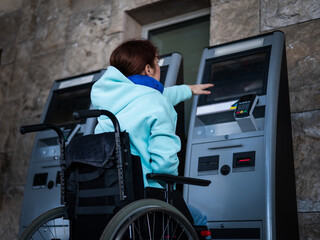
{"x":236,"y":76}
{"x":163,"y":74}
{"x":65,"y":101}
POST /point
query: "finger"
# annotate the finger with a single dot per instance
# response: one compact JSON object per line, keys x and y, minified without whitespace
{"x":206,"y":92}
{"x":207,"y":85}
{"x":200,"y":92}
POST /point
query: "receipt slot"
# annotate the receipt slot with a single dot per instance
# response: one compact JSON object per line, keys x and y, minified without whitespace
{"x":240,"y":139}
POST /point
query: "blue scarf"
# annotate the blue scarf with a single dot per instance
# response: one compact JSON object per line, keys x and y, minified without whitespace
{"x":147,"y":81}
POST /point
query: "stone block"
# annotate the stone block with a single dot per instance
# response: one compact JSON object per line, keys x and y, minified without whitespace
{"x":5,"y":164}
{"x":275,"y":14}
{"x":89,"y":57}
{"x":31,"y":86}
{"x":217,"y":2}
{"x":89,"y":26}
{"x":10,"y":211}
{"x":21,"y":69}
{"x":9,"y":24}
{"x":19,"y":151}
{"x":303,"y":60}
{"x":6,"y":72}
{"x":8,"y":54}
{"x":21,"y":157}
{"x":9,"y":116}
{"x":47,"y":10}
{"x":234,"y":20}
{"x":52,"y":26}
{"x":28,"y":21}
{"x":117,"y":16}
{"x":43,"y":71}
{"x":51,"y":35}
{"x":8,"y":6}
{"x":309,"y":226}
{"x":84,"y":5}
{"x":306,"y":144}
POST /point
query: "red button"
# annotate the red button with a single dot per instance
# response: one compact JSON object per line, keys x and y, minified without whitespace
{"x":205,"y":233}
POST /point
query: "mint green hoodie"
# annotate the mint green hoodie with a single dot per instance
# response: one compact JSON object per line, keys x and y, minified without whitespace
{"x":147,"y":115}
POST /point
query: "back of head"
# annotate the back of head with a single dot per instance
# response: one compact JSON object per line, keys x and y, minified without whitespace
{"x":131,"y":57}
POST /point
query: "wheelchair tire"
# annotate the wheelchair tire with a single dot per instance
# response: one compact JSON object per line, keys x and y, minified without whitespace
{"x":141,"y":217}
{"x":49,"y":225}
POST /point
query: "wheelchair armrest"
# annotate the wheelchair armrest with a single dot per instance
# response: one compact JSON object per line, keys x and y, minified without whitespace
{"x":178,"y":179}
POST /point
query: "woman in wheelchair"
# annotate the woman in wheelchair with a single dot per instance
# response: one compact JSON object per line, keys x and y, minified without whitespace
{"x":118,"y":187}
{"x":131,"y":89}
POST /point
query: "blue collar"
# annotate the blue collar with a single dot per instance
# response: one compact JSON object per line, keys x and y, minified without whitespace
{"x":147,"y":81}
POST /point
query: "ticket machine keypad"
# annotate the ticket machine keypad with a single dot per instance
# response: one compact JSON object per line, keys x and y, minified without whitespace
{"x":243,"y":108}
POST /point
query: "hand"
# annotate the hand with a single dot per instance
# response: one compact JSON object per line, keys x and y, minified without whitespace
{"x":199,"y":89}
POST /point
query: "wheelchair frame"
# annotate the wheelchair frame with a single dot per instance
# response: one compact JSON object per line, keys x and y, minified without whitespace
{"x":124,"y":218}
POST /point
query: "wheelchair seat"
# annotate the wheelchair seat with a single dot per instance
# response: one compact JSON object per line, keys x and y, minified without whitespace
{"x":93,"y":189}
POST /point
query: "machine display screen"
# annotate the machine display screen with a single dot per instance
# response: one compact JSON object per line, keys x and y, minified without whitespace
{"x":163,"y":74}
{"x":65,"y":101}
{"x":236,"y":75}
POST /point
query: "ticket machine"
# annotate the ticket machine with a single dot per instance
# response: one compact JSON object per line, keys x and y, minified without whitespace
{"x":42,"y":189}
{"x":240,"y":139}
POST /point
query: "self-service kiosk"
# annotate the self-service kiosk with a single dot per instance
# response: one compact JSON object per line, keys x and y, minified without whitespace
{"x":171,"y":73}
{"x":42,"y":189}
{"x":240,"y":139}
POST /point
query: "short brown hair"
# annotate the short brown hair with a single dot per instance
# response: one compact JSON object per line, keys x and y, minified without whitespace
{"x":131,"y":57}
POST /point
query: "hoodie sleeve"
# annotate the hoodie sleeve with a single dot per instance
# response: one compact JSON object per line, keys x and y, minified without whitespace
{"x":177,"y":94}
{"x":164,"y":144}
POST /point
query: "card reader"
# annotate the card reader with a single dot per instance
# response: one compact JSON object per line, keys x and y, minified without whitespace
{"x":243,"y":113}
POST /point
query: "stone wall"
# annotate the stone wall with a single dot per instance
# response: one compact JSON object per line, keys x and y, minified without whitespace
{"x":42,"y":40}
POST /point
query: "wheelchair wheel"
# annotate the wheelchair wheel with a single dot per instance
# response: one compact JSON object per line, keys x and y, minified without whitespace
{"x":49,"y":226}
{"x":149,"y":219}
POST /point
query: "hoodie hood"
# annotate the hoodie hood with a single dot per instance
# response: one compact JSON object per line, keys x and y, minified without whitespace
{"x":114,"y":85}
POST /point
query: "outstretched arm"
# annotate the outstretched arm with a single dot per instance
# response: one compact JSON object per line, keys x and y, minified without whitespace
{"x":177,"y":94}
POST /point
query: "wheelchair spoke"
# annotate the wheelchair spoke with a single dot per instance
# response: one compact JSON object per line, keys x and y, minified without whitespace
{"x":180,"y":234}
{"x":148,"y":224}
{"x":41,"y":234}
{"x":175,"y":229}
{"x":50,"y":230}
{"x":166,"y":229}
{"x":154,"y":224}
{"x":137,"y":230}
{"x":64,"y":229}
{"x":55,"y":230}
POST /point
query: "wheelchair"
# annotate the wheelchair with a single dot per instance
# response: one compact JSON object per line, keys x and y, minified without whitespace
{"x":103,"y":196}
